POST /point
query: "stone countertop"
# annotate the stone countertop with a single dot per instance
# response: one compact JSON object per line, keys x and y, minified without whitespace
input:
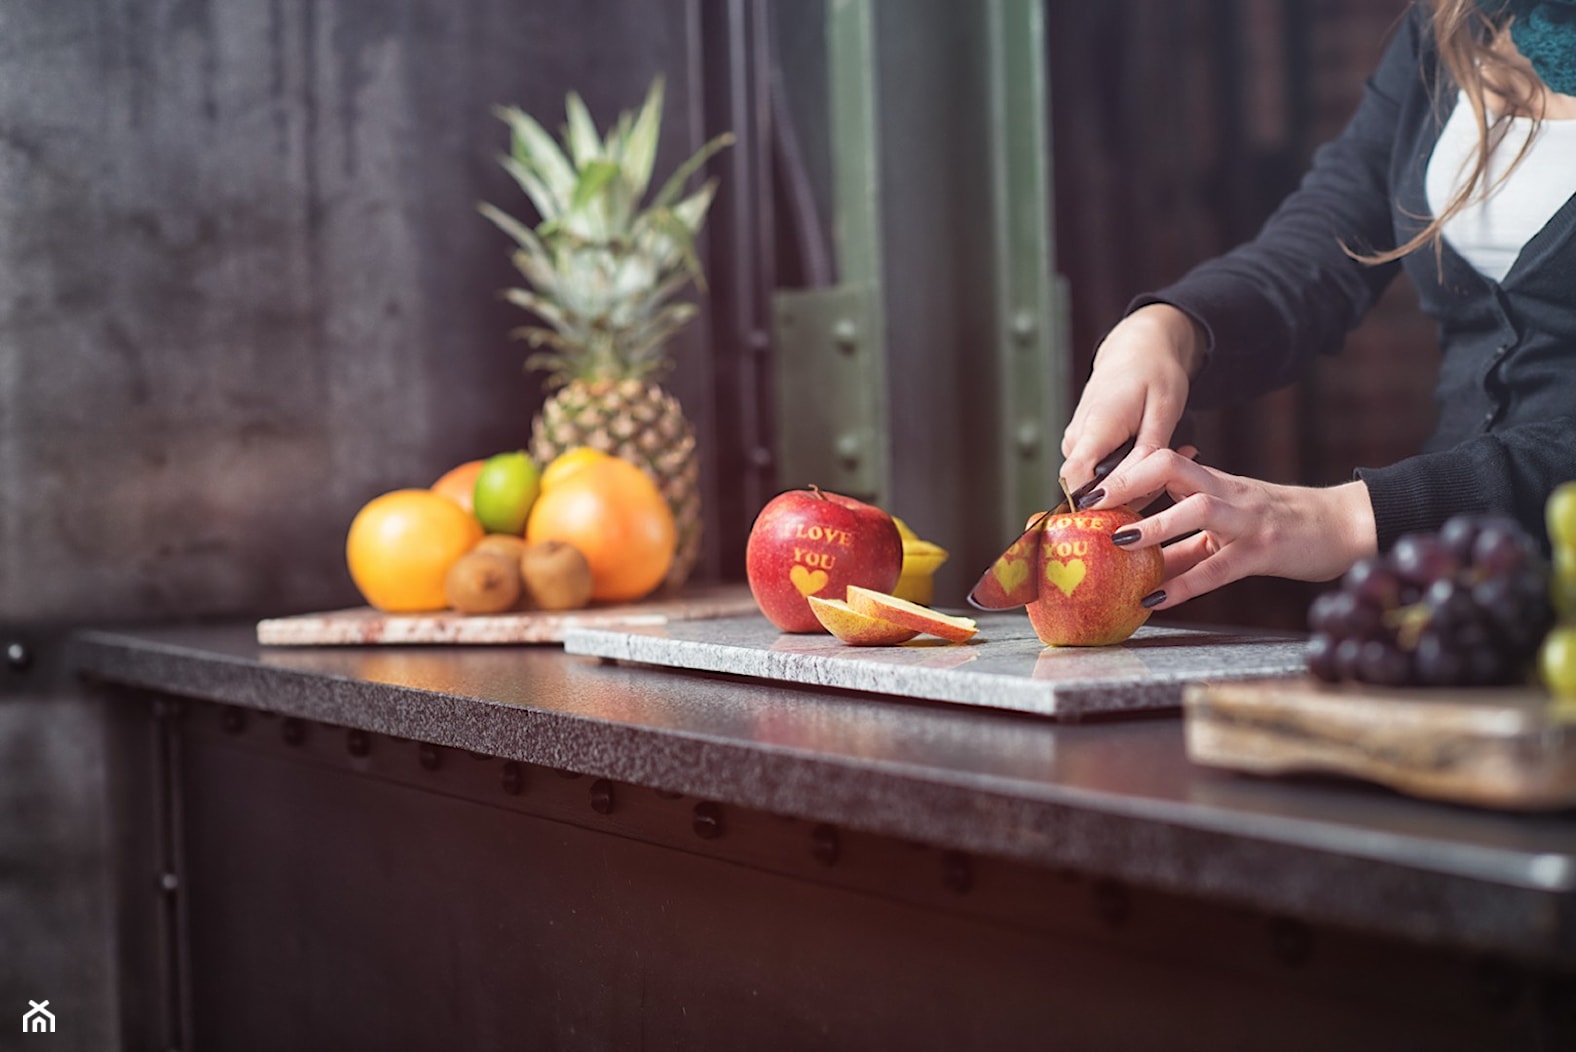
{"x":1116,"y":798}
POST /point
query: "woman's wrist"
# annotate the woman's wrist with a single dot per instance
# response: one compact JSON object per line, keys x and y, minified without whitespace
{"x":1350,"y":519}
{"x":1175,"y":329}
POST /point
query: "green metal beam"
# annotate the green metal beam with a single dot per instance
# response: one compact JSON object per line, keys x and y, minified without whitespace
{"x":1031,"y":309}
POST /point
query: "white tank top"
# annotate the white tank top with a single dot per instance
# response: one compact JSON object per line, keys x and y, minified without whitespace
{"x":1490,"y":233}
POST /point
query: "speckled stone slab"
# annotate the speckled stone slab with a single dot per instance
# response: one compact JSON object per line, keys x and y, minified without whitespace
{"x":363,"y":625}
{"x":1004,"y":667}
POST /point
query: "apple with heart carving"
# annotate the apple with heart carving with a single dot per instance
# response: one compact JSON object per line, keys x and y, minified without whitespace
{"x":810,"y":542}
{"x":1088,"y":589}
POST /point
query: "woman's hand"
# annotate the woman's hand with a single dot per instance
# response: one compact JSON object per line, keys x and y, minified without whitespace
{"x":1139,"y":387}
{"x":1239,"y":527}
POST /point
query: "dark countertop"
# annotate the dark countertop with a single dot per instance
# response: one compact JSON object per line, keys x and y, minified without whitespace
{"x":1116,"y":798}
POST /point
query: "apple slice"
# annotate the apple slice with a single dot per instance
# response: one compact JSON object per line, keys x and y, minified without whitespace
{"x":910,"y":615}
{"x":861,"y":630}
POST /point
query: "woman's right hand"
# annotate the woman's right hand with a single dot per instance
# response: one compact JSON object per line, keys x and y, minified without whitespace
{"x":1139,"y":387}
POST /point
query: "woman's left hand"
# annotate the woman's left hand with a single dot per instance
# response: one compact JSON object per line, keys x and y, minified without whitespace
{"x":1239,"y":527}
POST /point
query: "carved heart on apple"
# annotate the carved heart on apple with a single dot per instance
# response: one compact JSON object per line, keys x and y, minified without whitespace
{"x":809,"y":542}
{"x":1080,"y":589}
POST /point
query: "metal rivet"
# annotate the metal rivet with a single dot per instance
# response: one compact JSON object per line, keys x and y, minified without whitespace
{"x":169,"y":883}
{"x":18,"y":656}
{"x":1028,"y":439}
{"x":513,"y":778}
{"x":429,"y":756}
{"x":293,"y":731}
{"x":1291,"y":941}
{"x":849,"y":449}
{"x":707,"y":822}
{"x":1023,"y":326}
{"x":825,"y":845}
{"x":761,"y":457}
{"x":602,"y":796}
{"x":957,"y":872}
{"x":358,"y":742}
{"x":1111,"y":903}
{"x":846,"y":333}
{"x":233,"y":721}
{"x":760,"y":341}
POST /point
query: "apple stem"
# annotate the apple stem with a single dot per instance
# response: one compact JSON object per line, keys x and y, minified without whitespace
{"x":817,"y":491}
{"x":1062,"y":482}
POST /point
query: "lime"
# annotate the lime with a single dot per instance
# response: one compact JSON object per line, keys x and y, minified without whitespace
{"x":1561,"y":514}
{"x":506,"y":487}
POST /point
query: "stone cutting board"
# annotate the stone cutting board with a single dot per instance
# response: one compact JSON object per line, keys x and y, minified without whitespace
{"x":1004,"y":667}
{"x":1501,"y":748}
{"x":363,"y":625}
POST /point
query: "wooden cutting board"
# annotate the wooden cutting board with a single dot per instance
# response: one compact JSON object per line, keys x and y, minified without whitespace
{"x":1505,"y":748}
{"x":363,"y":625}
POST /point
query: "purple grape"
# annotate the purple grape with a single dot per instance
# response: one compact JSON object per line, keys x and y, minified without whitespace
{"x":1501,"y":549}
{"x":1383,"y":664}
{"x":1374,"y":582}
{"x":1436,"y":663}
{"x":1321,"y":657}
{"x":1348,"y":652}
{"x":1343,"y":615}
{"x":1458,"y":535}
{"x":1420,"y":558}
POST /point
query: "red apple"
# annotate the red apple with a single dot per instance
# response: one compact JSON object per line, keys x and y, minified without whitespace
{"x":808,"y":542}
{"x":1089,"y":589}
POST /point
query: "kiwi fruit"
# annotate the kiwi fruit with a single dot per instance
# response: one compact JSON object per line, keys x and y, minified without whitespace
{"x":508,"y":545}
{"x":482,"y":582}
{"x":556,"y":575}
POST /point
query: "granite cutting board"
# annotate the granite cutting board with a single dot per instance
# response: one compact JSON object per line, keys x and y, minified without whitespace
{"x":1004,"y":667}
{"x":1504,"y":747}
{"x":363,"y":625}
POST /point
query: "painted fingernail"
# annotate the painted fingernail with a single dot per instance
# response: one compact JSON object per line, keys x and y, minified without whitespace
{"x":1090,"y":499}
{"x":1085,"y":488}
{"x":1153,"y":599}
{"x":1121,"y":537}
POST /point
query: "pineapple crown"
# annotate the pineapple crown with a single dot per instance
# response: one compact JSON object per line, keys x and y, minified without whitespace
{"x":602,"y":267}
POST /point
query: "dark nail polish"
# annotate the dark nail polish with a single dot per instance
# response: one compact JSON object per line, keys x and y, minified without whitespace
{"x":1153,"y":599}
{"x":1121,"y":537}
{"x":1085,"y":488}
{"x":1090,"y":499}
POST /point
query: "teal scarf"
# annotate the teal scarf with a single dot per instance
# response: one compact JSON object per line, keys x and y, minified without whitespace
{"x":1545,"y":32}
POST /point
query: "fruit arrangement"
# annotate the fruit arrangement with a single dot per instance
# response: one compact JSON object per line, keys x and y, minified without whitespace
{"x":1557,"y":656}
{"x":1465,"y":606}
{"x":822,"y":562}
{"x":602,"y":267}
{"x":496,"y":535}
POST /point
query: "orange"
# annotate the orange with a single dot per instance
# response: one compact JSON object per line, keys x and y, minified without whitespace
{"x":568,"y":462}
{"x":402,"y":544}
{"x":459,"y":483}
{"x":618,"y":519}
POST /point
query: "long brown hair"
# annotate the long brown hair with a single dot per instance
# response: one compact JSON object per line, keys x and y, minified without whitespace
{"x":1471,"y":41}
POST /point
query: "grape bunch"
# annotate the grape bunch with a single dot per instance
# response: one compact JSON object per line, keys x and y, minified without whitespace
{"x":1557,"y":659}
{"x":1466,"y":606}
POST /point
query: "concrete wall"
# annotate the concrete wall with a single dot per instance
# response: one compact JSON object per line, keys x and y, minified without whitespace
{"x":244,"y":288}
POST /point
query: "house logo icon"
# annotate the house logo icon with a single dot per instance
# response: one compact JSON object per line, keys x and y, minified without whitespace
{"x":39,"y":1019}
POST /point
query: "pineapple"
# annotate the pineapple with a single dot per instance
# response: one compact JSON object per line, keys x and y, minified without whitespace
{"x":603,"y":270}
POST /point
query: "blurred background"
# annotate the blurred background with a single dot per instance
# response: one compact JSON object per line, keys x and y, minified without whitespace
{"x":244,"y":288}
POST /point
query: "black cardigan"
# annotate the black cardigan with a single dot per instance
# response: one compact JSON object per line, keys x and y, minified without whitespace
{"x":1506,"y":430}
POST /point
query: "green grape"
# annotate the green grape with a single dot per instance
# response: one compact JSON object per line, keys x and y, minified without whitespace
{"x":1561,"y":515}
{"x":1562,"y":583}
{"x":1557,"y":661}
